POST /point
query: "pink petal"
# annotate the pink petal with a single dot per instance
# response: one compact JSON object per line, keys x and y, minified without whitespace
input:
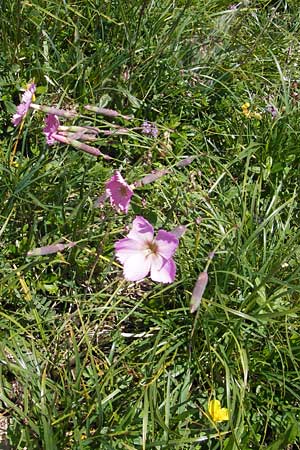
{"x":24,"y":105}
{"x":27,"y":97}
{"x":125,"y":248}
{"x":141,"y":230}
{"x":164,"y":274}
{"x":50,"y":129}
{"x":28,"y":94}
{"x":18,"y":116}
{"x":167,"y":243}
{"x":137,"y":266}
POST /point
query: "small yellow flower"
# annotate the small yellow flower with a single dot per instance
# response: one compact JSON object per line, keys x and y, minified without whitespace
{"x":246,"y":105}
{"x":245,"y":109}
{"x":217,"y":413}
{"x":249,"y":114}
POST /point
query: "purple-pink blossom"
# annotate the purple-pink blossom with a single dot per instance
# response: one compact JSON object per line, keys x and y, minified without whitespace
{"x":51,"y":128}
{"x":119,"y":192}
{"x":141,"y":253}
{"x":272,"y":110}
{"x":51,"y":131}
{"x":150,"y":129}
{"x":24,"y":106}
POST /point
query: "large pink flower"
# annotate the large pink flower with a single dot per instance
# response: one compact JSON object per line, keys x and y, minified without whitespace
{"x":24,"y":106}
{"x":141,"y":253}
{"x":119,"y":192}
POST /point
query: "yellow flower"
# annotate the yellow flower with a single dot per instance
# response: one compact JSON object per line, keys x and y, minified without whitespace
{"x":246,"y":105}
{"x":245,"y":109}
{"x":217,"y":413}
{"x":249,"y":114}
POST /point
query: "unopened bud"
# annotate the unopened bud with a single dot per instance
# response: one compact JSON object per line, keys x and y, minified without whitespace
{"x":198,"y":291}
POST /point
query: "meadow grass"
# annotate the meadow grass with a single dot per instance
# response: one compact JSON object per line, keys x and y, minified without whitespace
{"x":88,"y":359}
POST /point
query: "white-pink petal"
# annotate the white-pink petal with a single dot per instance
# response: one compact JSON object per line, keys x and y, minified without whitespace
{"x":164,"y":274}
{"x":136,"y":267}
{"x":127,"y":247}
{"x":167,"y":243}
{"x":141,"y":230}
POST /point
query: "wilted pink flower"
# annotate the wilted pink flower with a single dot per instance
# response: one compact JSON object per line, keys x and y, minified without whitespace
{"x":82,"y":146}
{"x":24,"y":106}
{"x":119,"y":192}
{"x":233,"y":7}
{"x":141,"y":253}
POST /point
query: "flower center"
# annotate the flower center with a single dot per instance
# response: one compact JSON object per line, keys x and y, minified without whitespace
{"x":153,"y":247}
{"x":123,"y":191}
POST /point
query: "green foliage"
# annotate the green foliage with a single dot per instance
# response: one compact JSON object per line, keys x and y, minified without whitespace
{"x":89,"y":360}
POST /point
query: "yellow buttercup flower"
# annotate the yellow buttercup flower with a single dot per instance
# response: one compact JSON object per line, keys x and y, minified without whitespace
{"x":217,"y":413}
{"x":249,"y":114}
{"x":245,"y":109}
{"x":246,"y":105}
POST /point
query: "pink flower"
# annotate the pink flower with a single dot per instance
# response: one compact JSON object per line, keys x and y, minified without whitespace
{"x":141,"y":253}
{"x":52,"y":134}
{"x":119,"y":192}
{"x":50,"y":130}
{"x":24,"y":106}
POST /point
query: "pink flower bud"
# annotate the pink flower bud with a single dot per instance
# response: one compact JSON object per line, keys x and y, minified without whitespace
{"x":198,"y":291}
{"x":54,"y":111}
{"x":155,"y":175}
{"x":49,"y":249}
{"x":106,"y":112}
{"x":179,"y":231}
